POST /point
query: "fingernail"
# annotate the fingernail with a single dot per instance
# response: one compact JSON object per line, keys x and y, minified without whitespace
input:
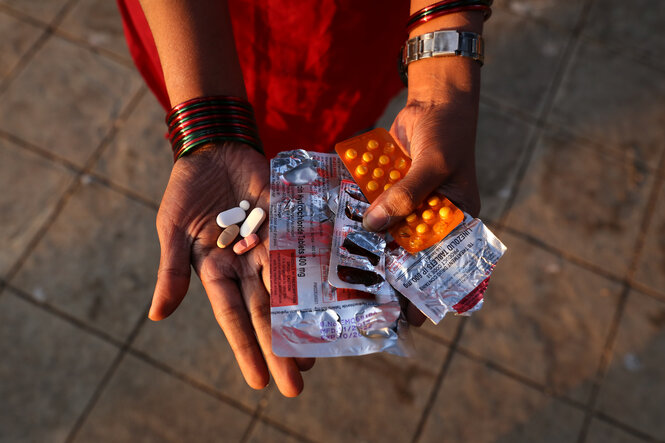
{"x":376,"y":219}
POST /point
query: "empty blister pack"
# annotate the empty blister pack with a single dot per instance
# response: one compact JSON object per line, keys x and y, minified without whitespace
{"x":357,"y":259}
{"x":376,"y":162}
{"x":450,"y":276}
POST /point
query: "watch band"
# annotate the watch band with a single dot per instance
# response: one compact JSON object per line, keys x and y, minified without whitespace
{"x":439,"y":44}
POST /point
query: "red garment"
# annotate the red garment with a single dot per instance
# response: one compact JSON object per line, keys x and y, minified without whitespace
{"x":316,"y":74}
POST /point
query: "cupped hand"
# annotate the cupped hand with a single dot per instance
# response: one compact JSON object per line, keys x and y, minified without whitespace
{"x":201,"y":185}
{"x":439,"y":136}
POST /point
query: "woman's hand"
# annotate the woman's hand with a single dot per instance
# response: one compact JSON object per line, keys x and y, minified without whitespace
{"x":437,"y":128}
{"x":202,"y":185}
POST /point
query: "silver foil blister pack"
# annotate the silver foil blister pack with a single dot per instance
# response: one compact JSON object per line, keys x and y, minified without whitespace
{"x":310,"y":317}
{"x":450,"y":276}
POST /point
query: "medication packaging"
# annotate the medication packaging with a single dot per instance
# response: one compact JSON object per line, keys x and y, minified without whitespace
{"x":310,"y":317}
{"x":450,"y":276}
{"x":376,"y":163}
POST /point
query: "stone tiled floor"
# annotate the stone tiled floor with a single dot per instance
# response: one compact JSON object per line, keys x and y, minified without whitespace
{"x":570,"y":345}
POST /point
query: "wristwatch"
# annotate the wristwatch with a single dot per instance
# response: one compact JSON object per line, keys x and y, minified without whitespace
{"x":438,"y":44}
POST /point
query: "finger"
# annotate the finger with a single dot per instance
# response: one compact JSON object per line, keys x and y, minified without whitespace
{"x":401,"y":199}
{"x":284,"y":370}
{"x":414,"y":316}
{"x":231,"y":315}
{"x":174,"y":271}
{"x":305,"y":364}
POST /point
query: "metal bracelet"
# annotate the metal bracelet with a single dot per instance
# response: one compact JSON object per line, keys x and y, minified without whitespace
{"x":439,"y":44}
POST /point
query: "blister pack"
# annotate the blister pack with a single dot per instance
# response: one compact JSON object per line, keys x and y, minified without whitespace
{"x":450,"y":276}
{"x":357,"y":259}
{"x":310,"y":317}
{"x":376,"y":162}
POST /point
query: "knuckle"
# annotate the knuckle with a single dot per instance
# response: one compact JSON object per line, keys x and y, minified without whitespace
{"x":401,"y":201}
{"x":259,"y":310}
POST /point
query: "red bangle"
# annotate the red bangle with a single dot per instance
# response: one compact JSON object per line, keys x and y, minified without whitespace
{"x":204,"y":120}
{"x":448,"y":7}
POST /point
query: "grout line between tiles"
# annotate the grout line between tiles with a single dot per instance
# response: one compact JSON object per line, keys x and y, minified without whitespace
{"x":565,"y":62}
{"x":76,"y":183}
{"x":261,"y":405}
{"x":36,"y":46}
{"x":438,"y":382}
{"x":146,"y":358}
{"x":48,"y":155}
{"x":627,"y":428}
{"x":620,"y":51}
{"x":62,"y":315}
{"x":107,"y":377}
{"x":22,"y":16}
{"x":543,"y":389}
{"x":76,"y":169}
{"x":84,"y":44}
{"x":606,"y":357}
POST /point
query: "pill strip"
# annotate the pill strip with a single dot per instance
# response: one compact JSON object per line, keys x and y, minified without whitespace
{"x":376,"y":162}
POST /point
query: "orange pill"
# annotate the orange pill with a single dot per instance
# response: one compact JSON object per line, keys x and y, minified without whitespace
{"x":400,"y":163}
{"x":444,"y":212}
{"x":361,"y":170}
{"x":372,"y":145}
{"x":372,"y":185}
{"x":351,"y":153}
{"x":416,"y":243}
{"x":440,"y":228}
{"x":246,"y":244}
{"x":434,"y":201}
{"x":388,"y":185}
{"x":411,"y":218}
{"x":384,"y":160}
{"x":395,"y":175}
{"x":428,"y":215}
{"x":422,"y":228}
{"x":377,"y":172}
{"x":368,"y":157}
{"x":405,"y":232}
{"x":389,"y":148}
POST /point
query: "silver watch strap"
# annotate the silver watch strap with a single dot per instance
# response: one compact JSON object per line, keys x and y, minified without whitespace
{"x":443,"y":43}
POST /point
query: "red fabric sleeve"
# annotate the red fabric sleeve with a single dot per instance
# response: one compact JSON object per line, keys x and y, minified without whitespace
{"x":315,"y":75}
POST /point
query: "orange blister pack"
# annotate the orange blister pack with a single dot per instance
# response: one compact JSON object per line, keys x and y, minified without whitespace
{"x":376,"y":162}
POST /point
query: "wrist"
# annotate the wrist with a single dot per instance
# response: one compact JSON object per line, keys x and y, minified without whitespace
{"x":440,"y":80}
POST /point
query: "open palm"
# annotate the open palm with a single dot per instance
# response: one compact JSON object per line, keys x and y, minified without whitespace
{"x":201,"y":185}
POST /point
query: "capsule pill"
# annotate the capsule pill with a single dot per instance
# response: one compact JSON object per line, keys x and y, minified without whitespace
{"x":368,"y":157}
{"x":227,"y":236}
{"x":372,"y":186}
{"x":395,"y":175}
{"x":351,"y":153}
{"x":246,"y":244}
{"x":244,"y":205}
{"x":372,"y":145}
{"x":252,"y":222}
{"x":377,"y":173}
{"x":434,"y":201}
{"x":230,"y":217}
{"x":428,"y":215}
{"x":384,"y":160}
{"x":361,"y":170}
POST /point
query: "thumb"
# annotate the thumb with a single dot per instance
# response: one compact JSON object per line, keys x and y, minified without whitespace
{"x":401,"y":199}
{"x":173,"y":274}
